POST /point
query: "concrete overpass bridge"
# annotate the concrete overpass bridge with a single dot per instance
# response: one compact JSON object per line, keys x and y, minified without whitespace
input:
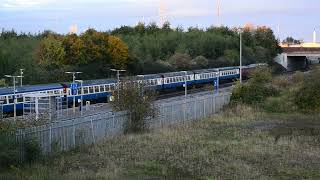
{"x":296,"y":58}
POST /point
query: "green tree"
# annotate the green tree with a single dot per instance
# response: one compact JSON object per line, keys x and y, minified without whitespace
{"x":96,"y":46}
{"x":119,"y":52}
{"x":180,"y":61}
{"x":201,"y":62}
{"x":50,"y":52}
{"x":232,"y":56}
{"x":75,"y":48}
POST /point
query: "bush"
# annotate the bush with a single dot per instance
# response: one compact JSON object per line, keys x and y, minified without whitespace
{"x":181,"y":61}
{"x":256,"y":90}
{"x":201,"y":62}
{"x":251,"y":93}
{"x":137,"y":100}
{"x":307,"y":97}
{"x":15,"y":152}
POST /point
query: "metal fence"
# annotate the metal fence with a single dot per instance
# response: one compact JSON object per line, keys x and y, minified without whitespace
{"x":66,"y":135}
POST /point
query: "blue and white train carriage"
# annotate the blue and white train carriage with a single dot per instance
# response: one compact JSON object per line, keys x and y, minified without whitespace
{"x":97,"y":90}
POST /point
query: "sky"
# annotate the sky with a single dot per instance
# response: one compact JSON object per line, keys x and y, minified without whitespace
{"x":296,"y":18}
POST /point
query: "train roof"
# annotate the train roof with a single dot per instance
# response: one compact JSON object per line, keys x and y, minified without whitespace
{"x":228,"y":68}
{"x":148,"y":76}
{"x":206,"y":70}
{"x":172,"y":74}
{"x":98,"y":82}
{"x":30,"y":88}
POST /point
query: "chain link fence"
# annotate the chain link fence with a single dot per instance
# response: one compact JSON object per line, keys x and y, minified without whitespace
{"x":80,"y":131}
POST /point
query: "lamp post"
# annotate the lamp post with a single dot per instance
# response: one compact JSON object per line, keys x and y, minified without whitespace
{"x":14,"y":94}
{"x":118,"y":77}
{"x":21,"y":74}
{"x":73,"y":82}
{"x":142,"y":79}
{"x":81,"y":91}
{"x":240,"y":34}
{"x":185,"y":83}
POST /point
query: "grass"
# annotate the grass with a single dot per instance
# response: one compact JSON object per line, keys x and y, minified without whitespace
{"x":240,"y":143}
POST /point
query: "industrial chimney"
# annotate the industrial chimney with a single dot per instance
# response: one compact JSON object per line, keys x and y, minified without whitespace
{"x":314,"y":36}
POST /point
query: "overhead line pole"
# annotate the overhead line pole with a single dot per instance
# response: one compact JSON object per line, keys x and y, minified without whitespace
{"x":14,"y":94}
{"x":240,"y":57}
{"x":73,"y":82}
{"x":118,"y":79}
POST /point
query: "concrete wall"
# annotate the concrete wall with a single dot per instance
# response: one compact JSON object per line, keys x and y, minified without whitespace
{"x":282,"y":59}
{"x":293,"y":62}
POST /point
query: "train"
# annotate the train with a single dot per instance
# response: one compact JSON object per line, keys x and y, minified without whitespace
{"x":102,"y":89}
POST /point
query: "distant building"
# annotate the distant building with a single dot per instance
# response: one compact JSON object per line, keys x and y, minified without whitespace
{"x":73,"y":29}
{"x":249,"y":26}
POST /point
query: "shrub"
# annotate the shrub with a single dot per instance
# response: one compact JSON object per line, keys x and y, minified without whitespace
{"x":308,"y":98}
{"x":256,"y":90}
{"x":251,"y":93}
{"x":181,"y":61}
{"x":137,"y":100}
{"x":16,"y":151}
{"x":201,"y":62}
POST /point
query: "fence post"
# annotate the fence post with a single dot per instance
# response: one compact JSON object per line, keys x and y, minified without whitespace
{"x":50,"y":138}
{"x":73,"y":134}
{"x":171,"y":119}
{"x":204,"y":108}
{"x":184,"y":110}
{"x":195,"y":109}
{"x":92,"y":131}
{"x":214,"y":104}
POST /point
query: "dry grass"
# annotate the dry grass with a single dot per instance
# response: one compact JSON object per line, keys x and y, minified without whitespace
{"x":240,"y":143}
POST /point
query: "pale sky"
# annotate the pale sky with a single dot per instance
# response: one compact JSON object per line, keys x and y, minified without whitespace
{"x":297,"y":18}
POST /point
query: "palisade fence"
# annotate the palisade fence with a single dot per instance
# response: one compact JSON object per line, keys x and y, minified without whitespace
{"x":72,"y":133}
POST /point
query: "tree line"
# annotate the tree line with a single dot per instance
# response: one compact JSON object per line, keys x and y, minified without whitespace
{"x":140,"y":49}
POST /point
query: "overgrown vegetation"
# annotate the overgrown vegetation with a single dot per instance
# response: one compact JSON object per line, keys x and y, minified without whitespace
{"x":138,"y":101}
{"x":140,"y":49}
{"x":16,"y":151}
{"x":281,"y":94}
{"x":256,"y":90}
{"x":241,"y":143}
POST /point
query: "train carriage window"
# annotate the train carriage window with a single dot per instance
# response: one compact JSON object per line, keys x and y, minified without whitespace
{"x":3,"y":99}
{"x":19,"y":99}
{"x":90,"y":89}
{"x":102,"y":88}
{"x":113,"y":87}
{"x":96,"y":89}
{"x":10,"y":99}
{"x":85,"y":90}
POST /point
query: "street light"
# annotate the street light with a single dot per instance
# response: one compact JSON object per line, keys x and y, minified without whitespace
{"x":81,"y":86}
{"x":142,"y":81}
{"x":14,"y":94}
{"x":118,"y":77}
{"x":185,"y":83}
{"x":240,"y":34}
{"x":73,"y":82}
{"x":21,"y":74}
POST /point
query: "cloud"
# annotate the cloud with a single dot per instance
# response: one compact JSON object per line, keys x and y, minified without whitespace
{"x":21,"y":4}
